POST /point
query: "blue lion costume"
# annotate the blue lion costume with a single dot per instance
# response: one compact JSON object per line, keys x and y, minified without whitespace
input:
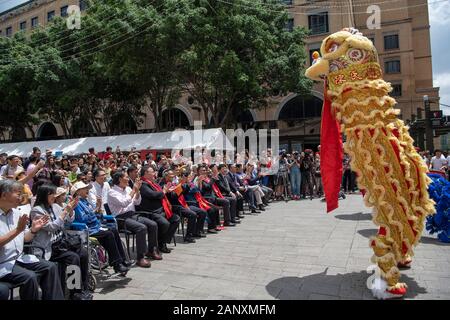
{"x":439,"y":223}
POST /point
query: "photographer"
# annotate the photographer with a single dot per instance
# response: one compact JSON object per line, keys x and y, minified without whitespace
{"x":307,"y":170}
{"x":318,"y":175}
{"x":294,"y":164}
{"x":282,"y":178}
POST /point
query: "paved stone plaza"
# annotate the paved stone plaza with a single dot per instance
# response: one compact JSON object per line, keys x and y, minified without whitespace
{"x":291,"y":251}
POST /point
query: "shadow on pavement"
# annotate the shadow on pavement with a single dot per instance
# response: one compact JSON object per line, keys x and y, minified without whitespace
{"x":349,"y":285}
{"x":430,"y":240}
{"x":109,"y":285}
{"x":354,"y":217}
{"x":368,"y":232}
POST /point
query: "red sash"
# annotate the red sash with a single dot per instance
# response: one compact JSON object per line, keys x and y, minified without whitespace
{"x":202,"y":203}
{"x":183,"y":201}
{"x":164,"y":201}
{"x":217,"y":191}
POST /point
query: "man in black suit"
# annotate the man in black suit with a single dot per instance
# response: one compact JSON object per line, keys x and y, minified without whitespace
{"x":158,"y":208}
{"x":206,"y":185}
{"x":225,"y":189}
{"x":230,"y":191}
{"x":195,"y":217}
{"x":133,"y":173}
{"x":237,"y":187}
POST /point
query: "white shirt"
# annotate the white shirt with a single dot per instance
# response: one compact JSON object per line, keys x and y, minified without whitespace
{"x":438,"y":163}
{"x":13,"y":250}
{"x":98,"y":190}
{"x":11,"y":170}
{"x":119,"y":200}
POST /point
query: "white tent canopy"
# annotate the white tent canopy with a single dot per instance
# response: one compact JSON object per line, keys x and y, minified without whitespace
{"x":175,"y":140}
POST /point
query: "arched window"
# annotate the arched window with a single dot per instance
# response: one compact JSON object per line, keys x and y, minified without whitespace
{"x":174,"y":118}
{"x":244,"y":117}
{"x":81,"y":127}
{"x":301,"y":107}
{"x":47,"y":130}
{"x":123,"y":123}
{"x":18,"y":134}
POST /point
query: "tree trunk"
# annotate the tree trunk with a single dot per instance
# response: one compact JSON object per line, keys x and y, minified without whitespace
{"x":33,"y":135}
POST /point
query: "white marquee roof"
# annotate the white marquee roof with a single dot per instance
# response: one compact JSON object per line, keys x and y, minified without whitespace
{"x":178,"y":140}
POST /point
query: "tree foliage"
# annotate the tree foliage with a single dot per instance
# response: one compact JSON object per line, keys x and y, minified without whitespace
{"x":131,"y":57}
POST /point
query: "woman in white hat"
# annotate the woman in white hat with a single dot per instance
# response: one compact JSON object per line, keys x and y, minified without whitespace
{"x":52,"y":237}
{"x":108,"y":238}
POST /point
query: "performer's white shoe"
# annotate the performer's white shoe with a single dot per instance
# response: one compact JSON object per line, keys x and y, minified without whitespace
{"x":380,"y":290}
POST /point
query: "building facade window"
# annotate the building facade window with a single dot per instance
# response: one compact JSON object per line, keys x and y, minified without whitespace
{"x":9,"y":31}
{"x":290,"y":25}
{"x":287,"y":2}
{"x":50,"y":15}
{"x":392,"y":66}
{"x":34,"y":22}
{"x":64,"y":11}
{"x":174,"y":118}
{"x":23,"y":25}
{"x":83,"y":5}
{"x":396,"y":90}
{"x":318,"y":23}
{"x":391,"y":42}
{"x":301,"y":107}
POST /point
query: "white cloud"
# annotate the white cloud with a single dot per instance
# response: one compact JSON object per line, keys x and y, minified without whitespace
{"x":442,"y":81}
{"x":439,"y":13}
{"x":440,"y":46}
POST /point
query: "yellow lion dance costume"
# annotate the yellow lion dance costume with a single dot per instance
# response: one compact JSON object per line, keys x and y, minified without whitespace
{"x":389,"y":171}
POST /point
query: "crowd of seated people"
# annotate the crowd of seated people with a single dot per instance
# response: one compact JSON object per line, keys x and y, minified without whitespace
{"x":147,"y":198}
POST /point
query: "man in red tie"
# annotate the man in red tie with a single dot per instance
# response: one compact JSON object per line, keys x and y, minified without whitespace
{"x":195,"y":219}
{"x":158,"y":208}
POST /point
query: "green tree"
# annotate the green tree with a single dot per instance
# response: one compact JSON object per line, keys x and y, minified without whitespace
{"x":237,"y":54}
{"x":147,"y":60}
{"x":22,"y":67}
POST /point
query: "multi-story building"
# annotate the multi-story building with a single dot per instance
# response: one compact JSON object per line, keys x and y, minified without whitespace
{"x":402,"y":40}
{"x":25,"y":15}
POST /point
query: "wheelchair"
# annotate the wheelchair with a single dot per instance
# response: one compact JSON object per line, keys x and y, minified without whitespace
{"x":98,"y":256}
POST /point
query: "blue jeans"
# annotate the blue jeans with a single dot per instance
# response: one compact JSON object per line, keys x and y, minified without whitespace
{"x":296,"y":180}
{"x":265,"y":181}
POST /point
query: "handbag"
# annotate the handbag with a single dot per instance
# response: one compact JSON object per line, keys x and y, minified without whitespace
{"x":68,"y":242}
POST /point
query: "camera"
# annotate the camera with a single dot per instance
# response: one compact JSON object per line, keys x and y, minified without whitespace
{"x":186,"y":174}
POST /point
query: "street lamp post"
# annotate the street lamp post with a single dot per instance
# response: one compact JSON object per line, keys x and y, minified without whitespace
{"x":428,"y":127}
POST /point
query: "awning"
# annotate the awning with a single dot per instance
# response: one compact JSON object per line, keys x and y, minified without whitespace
{"x":174,"y":140}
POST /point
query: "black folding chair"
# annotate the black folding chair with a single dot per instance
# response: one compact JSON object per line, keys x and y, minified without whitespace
{"x":27,"y":249}
{"x":122,"y":228}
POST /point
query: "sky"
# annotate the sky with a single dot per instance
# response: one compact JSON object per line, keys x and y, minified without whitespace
{"x":6,"y":4}
{"x":439,"y":14}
